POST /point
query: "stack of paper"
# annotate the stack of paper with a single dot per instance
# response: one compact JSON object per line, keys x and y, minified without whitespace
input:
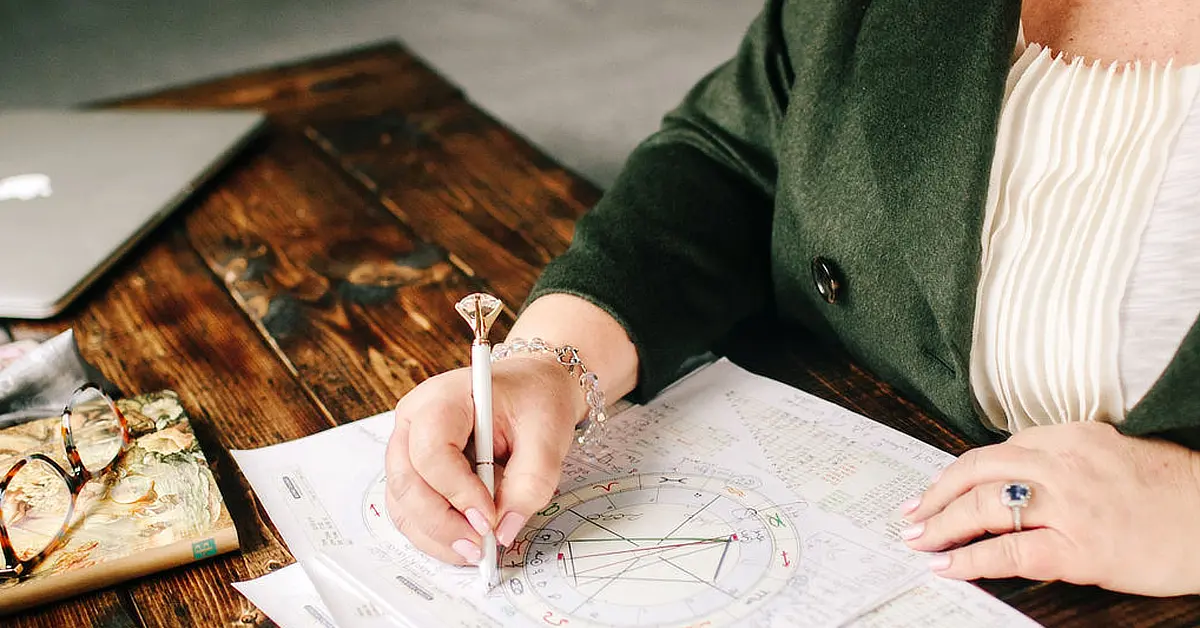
{"x":730,"y":499}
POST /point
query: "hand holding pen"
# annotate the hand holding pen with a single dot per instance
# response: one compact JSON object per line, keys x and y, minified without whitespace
{"x":434,"y":496}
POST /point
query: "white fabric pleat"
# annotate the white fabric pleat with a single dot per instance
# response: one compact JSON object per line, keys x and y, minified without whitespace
{"x":1081,"y":153}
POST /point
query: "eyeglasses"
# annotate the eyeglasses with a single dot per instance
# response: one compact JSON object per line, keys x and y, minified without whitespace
{"x":37,"y":496}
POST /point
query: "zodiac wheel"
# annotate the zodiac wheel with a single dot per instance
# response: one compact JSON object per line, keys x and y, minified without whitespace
{"x":657,"y":549}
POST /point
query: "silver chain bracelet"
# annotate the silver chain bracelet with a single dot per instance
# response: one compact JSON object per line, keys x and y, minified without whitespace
{"x":589,"y":433}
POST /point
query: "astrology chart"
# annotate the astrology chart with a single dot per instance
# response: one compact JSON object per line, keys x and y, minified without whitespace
{"x":654,"y":549}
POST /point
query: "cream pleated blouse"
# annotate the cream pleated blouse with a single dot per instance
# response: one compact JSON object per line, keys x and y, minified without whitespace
{"x":1090,"y":274}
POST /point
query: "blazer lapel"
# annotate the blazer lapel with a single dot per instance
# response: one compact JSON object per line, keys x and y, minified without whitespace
{"x":933,"y":74}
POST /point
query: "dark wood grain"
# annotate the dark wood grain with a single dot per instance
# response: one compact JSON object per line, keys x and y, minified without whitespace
{"x":312,"y":283}
{"x":348,"y":297}
{"x":362,"y":82}
{"x":103,"y":609}
{"x":465,"y":182}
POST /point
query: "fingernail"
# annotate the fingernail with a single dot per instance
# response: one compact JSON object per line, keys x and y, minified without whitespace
{"x":912,"y":531}
{"x":939,"y":562}
{"x":468,"y":550}
{"x":510,"y":526}
{"x":907,"y":507}
{"x":478,"y":521}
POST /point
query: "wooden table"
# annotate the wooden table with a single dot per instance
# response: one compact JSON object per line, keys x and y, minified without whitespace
{"x":313,"y":282}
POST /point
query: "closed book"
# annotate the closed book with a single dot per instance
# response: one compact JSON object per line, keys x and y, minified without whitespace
{"x":158,"y":508}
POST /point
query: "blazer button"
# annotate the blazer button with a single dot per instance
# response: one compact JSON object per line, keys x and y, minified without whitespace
{"x":826,"y":279}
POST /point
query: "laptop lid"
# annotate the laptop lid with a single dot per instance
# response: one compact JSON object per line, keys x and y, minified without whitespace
{"x":79,"y":188}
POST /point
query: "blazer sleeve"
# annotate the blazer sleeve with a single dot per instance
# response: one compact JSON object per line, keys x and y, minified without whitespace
{"x":678,"y":249}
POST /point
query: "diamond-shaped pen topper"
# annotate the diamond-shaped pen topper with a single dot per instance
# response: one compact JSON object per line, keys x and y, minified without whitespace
{"x":480,"y":310}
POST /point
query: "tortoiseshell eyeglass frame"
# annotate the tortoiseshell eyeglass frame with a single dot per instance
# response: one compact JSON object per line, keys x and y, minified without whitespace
{"x":15,"y":567}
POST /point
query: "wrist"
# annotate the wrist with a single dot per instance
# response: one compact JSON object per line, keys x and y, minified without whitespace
{"x":546,"y":375}
{"x":563,"y":319}
{"x":591,"y":430}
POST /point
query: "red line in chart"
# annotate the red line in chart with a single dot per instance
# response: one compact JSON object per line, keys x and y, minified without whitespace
{"x":633,"y":559}
{"x":653,"y":548}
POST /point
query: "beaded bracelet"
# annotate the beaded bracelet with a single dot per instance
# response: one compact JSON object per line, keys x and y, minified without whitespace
{"x":589,"y":433}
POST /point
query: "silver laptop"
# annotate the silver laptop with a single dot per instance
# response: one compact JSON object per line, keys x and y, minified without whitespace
{"x":79,"y":188}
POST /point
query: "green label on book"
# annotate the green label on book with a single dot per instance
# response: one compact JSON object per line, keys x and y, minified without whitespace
{"x":204,"y":549}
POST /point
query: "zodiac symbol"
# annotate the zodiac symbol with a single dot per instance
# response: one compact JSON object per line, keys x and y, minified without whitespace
{"x":775,"y":520}
{"x":745,"y":513}
{"x":606,"y":487}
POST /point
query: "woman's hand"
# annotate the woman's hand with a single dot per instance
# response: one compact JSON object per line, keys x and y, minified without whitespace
{"x":1106,"y":509}
{"x":433,"y":494}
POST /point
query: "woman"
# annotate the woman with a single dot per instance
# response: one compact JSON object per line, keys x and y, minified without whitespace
{"x":1002,"y":232}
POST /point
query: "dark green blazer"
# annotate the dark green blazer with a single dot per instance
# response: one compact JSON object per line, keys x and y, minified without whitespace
{"x":859,"y":132}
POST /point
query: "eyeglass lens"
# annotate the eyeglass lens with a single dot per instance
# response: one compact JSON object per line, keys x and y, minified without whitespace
{"x":36,"y":504}
{"x":95,"y":428}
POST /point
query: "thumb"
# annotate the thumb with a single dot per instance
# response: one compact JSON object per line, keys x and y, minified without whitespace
{"x":531,"y":475}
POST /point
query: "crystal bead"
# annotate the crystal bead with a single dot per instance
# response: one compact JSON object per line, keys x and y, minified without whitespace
{"x":593,"y":440}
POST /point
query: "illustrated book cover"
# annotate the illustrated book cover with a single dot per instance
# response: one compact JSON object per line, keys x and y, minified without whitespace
{"x":159,"y":508}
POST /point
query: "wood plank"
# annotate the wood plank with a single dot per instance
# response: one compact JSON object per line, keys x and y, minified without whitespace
{"x":100,"y":608}
{"x":347,"y":296}
{"x":364,"y":81}
{"x":161,"y":321}
{"x":465,"y":182}
{"x":1060,"y":604}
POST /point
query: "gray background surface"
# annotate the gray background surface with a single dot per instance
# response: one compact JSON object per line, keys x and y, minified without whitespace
{"x":583,"y":79}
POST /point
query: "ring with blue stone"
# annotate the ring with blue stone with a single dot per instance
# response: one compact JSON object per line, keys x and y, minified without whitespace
{"x":1016,"y":496}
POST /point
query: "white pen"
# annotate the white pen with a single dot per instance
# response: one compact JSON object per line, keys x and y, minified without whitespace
{"x":480,"y":311}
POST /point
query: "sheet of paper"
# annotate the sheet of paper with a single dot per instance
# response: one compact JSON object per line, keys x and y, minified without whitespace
{"x":728,"y":500}
{"x":289,"y":598}
{"x":939,"y":603}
